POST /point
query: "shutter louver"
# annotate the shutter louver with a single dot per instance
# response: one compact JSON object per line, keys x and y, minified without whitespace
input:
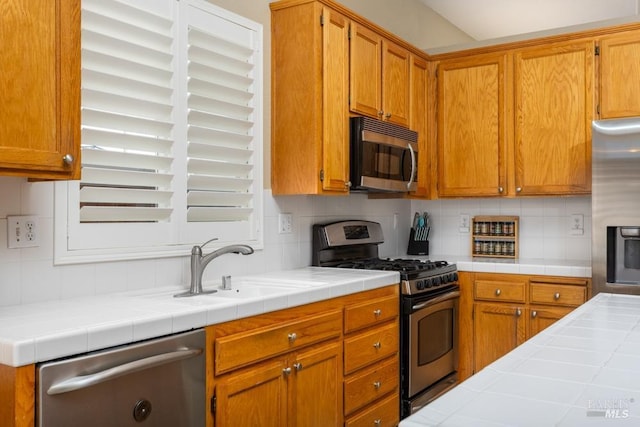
{"x":127,"y":108}
{"x":220,"y":123}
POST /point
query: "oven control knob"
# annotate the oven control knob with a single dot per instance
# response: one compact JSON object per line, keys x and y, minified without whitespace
{"x":428,"y":283}
{"x":420,"y":284}
{"x":455,"y":277}
{"x":437,"y":281}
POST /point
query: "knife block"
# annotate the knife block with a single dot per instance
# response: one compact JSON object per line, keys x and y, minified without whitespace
{"x":417,"y":247}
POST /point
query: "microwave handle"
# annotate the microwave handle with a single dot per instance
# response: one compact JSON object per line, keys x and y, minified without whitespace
{"x":413,"y":166}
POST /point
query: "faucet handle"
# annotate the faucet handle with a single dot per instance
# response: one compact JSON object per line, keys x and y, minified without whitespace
{"x":208,"y":241}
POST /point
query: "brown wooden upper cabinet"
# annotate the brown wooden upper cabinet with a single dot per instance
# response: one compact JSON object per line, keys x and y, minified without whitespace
{"x":620,"y":75}
{"x":516,"y":122}
{"x":379,"y":77}
{"x":554,"y":105}
{"x":310,"y":95}
{"x":40,"y":86}
{"x":471,"y":126}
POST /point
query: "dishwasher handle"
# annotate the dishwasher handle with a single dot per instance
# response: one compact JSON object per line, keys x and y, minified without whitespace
{"x":84,"y":381}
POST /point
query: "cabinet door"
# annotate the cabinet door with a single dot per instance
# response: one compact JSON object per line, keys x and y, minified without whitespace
{"x":419,"y":76}
{"x":541,"y":317}
{"x":366,"y":70}
{"x":471,"y":127}
{"x":40,"y":86}
{"x":620,"y":75}
{"x":335,"y":94}
{"x":554,"y":108}
{"x":253,"y":397}
{"x":316,"y":386}
{"x":498,"y":329}
{"x":395,"y":83}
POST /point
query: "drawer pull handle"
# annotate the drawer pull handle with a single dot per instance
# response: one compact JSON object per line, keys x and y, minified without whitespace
{"x":377,"y":312}
{"x":377,"y":385}
{"x":556,"y":296}
{"x":498,"y":292}
{"x":377,"y":345}
{"x":292,"y":337}
{"x":534,"y":314}
{"x":298,"y":366}
{"x":377,"y":422}
{"x":286,"y":371}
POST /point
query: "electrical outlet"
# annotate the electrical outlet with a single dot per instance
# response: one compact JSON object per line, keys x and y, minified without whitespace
{"x":23,"y":231}
{"x":463,"y":224}
{"x":285,"y":223}
{"x":576,"y":225}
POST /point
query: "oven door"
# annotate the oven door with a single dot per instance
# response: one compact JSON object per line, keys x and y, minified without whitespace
{"x":433,"y":340}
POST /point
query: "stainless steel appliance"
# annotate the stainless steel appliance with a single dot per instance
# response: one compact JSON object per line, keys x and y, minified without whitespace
{"x":428,"y":307}
{"x":155,"y":383}
{"x":615,"y":249}
{"x":384,"y":156}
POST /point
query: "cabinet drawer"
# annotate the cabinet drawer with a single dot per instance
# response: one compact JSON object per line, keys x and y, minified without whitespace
{"x":370,"y":313}
{"x":385,"y":413}
{"x":495,"y":290}
{"x":572,"y":296}
{"x":234,"y":351}
{"x":371,"y":346}
{"x":365,"y":387}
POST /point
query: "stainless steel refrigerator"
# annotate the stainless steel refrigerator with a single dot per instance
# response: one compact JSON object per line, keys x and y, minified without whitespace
{"x":615,"y":249}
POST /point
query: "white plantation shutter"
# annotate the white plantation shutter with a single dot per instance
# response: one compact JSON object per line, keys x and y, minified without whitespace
{"x":171,"y":132}
{"x":127,"y":107}
{"x":220,"y":127}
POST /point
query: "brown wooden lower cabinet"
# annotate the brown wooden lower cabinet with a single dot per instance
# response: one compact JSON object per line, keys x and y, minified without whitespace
{"x":498,"y":312}
{"x":498,"y":328}
{"x":329,"y":363}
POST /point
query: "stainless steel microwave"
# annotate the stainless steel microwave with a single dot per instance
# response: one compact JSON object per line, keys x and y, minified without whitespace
{"x":384,"y":156}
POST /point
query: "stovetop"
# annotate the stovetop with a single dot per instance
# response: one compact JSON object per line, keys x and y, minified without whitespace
{"x":354,"y":244}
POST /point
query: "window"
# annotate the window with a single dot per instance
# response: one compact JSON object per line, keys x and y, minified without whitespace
{"x":171,"y":132}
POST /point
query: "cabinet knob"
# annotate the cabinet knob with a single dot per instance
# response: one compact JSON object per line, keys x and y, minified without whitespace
{"x":500,"y":189}
{"x":377,"y":345}
{"x":556,"y":296}
{"x":388,"y":115}
{"x":380,"y":113}
{"x":347,"y":184}
{"x":297,"y":366}
{"x":286,"y":371}
{"x":498,"y":292}
{"x":377,"y":385}
{"x":377,"y":312}
{"x":518,"y":189}
{"x":377,"y":422}
{"x":534,"y":314}
{"x":518,"y":312}
{"x":67,"y":159}
{"x":292,"y":337}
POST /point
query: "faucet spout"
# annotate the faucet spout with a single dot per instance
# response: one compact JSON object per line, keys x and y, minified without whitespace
{"x":200,"y":262}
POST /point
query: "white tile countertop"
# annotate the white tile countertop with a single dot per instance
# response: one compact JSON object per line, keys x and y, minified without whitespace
{"x":44,"y":331}
{"x":542,"y":267}
{"x":583,"y":370}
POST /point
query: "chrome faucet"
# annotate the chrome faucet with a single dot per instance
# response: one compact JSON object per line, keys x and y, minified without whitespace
{"x":200,"y":262}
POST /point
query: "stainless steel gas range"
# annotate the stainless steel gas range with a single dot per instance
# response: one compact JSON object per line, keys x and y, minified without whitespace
{"x":428,"y":306}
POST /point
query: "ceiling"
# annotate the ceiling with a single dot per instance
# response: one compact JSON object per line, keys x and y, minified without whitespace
{"x":488,"y":19}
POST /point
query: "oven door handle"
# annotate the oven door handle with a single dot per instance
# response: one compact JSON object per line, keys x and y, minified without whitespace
{"x":436,"y":300}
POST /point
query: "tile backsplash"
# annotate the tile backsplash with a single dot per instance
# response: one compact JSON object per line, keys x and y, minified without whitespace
{"x":544,"y":225}
{"x":28,"y":275}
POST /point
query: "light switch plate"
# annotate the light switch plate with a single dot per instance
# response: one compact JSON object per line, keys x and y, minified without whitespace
{"x":463,"y":224}
{"x":576,"y":225}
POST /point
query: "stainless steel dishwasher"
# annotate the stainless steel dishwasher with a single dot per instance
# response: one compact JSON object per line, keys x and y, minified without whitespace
{"x":154,"y":383}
